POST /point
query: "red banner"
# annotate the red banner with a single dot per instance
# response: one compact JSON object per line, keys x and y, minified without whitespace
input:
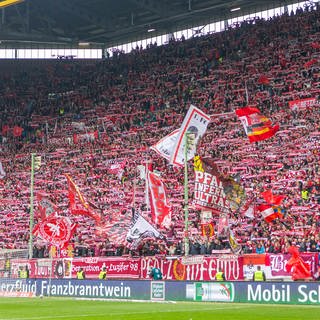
{"x":117,"y":267}
{"x":302,"y":103}
{"x":195,"y":268}
{"x":278,"y":263}
{"x":127,"y":268}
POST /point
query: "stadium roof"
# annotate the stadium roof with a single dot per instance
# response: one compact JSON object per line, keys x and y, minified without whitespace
{"x":110,"y":22}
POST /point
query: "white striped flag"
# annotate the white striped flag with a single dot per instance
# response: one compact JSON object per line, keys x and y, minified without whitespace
{"x":268,"y":213}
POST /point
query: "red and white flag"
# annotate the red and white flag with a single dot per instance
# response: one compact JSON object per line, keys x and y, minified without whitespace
{"x":116,"y":167}
{"x":194,"y":125}
{"x":223,"y":224}
{"x":268,"y":213}
{"x":257,"y":126}
{"x":249,"y":212}
{"x":160,"y":208}
{"x":85,"y":137}
{"x":302,"y":103}
{"x":54,"y":229}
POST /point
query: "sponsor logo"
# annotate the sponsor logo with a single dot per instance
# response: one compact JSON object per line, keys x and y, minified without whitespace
{"x":157,"y":290}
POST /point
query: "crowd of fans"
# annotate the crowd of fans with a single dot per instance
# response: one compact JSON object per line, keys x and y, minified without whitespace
{"x":80,"y":115}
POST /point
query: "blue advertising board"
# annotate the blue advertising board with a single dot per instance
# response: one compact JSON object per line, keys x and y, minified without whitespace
{"x":242,"y":291}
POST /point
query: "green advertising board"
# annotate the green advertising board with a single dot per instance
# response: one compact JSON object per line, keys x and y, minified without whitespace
{"x":210,"y":291}
{"x":158,"y":290}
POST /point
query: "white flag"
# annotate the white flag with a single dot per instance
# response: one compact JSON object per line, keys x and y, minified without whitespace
{"x":195,"y":122}
{"x":2,"y":172}
{"x":140,"y":229}
{"x":166,"y":145}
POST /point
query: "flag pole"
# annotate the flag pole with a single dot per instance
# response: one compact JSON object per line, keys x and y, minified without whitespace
{"x":147,"y":185}
{"x":247,"y":93}
{"x":31,"y":207}
{"x":186,"y":197}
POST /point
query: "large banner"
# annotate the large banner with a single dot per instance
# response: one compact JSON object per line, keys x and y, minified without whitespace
{"x":127,"y":268}
{"x":278,"y":263}
{"x":198,"y":268}
{"x":194,"y":268}
{"x":117,"y":267}
{"x":274,"y":265}
{"x":208,"y":188}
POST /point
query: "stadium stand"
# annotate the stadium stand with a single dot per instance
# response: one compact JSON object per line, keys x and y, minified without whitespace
{"x":81,"y":115}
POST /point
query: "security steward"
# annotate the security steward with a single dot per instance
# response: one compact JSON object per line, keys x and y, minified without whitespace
{"x":103,"y":274}
{"x":220,"y":276}
{"x":24,"y":274}
{"x":80,"y":274}
{"x":259,"y":275}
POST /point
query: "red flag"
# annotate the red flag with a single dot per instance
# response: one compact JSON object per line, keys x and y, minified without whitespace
{"x":160,"y":208}
{"x":263,"y":80}
{"x":268,"y":213}
{"x":257,"y":126}
{"x":5,"y":130}
{"x":116,"y":167}
{"x":315,"y":45}
{"x":207,"y":229}
{"x":270,"y":198}
{"x":310,"y":63}
{"x":82,"y":207}
{"x":298,"y":268}
{"x":17,"y":131}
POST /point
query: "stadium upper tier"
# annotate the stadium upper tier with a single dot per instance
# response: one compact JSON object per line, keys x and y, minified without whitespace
{"x":80,"y":115}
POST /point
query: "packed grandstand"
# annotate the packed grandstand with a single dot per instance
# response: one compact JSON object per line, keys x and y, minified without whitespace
{"x":85,"y":118}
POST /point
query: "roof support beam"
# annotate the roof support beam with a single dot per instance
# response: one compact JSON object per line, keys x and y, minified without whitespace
{"x":157,"y":7}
